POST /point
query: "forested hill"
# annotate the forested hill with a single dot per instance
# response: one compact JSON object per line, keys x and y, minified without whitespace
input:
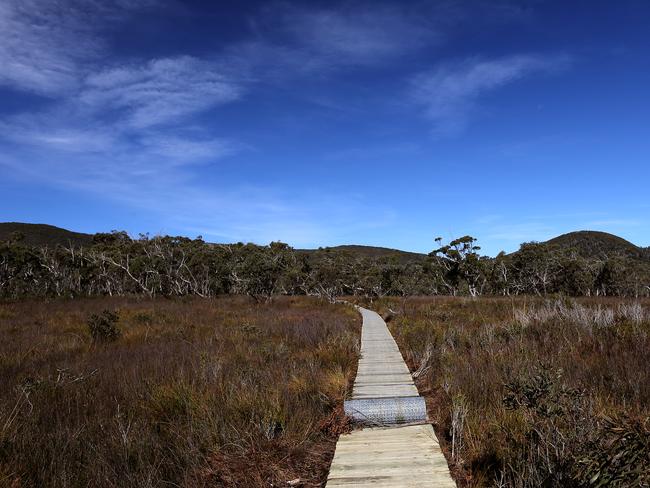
{"x":42,"y":235}
{"x":370,"y":252}
{"x":593,"y":244}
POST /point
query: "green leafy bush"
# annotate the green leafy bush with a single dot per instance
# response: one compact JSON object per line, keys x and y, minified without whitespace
{"x":619,"y":456}
{"x":103,"y":326}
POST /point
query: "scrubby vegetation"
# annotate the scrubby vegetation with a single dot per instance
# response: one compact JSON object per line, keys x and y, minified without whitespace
{"x":532,"y":392}
{"x":236,"y":377}
{"x":183,"y":392}
{"x":115,"y":264}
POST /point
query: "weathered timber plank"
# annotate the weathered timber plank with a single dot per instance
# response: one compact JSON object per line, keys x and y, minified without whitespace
{"x":394,"y":457}
{"x":397,"y":456}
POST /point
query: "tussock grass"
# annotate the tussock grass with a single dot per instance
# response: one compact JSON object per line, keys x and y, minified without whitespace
{"x":530,"y":392}
{"x":192,"y":392}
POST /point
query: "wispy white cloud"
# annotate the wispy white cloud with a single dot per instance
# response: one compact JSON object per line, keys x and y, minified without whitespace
{"x":108,"y":124}
{"x":220,"y":211}
{"x":374,"y":33}
{"x":358,"y":35}
{"x":46,"y":45}
{"x":295,"y":39}
{"x":160,"y":91}
{"x":450,"y":92}
{"x":40,"y":47}
{"x":121,"y":151}
{"x":120,"y":129}
{"x":66,"y":138}
{"x":186,"y":149}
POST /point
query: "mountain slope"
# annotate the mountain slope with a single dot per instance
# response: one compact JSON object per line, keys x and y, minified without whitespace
{"x":43,"y":234}
{"x":371,"y":252}
{"x":593,"y":244}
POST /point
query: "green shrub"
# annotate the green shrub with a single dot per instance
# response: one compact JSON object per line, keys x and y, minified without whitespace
{"x":103,"y":326}
{"x":618,"y":456}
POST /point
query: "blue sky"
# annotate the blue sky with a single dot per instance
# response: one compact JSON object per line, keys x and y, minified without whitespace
{"x":323,"y":123}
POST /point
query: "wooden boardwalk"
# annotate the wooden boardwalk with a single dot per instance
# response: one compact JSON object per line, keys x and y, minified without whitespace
{"x":392,"y":456}
{"x":382,"y":372}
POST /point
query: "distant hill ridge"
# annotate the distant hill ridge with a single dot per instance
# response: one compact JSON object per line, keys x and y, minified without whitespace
{"x":50,"y":235}
{"x":373,"y":252}
{"x":592,"y":244}
{"x":588,"y":243}
{"x":43,"y":234}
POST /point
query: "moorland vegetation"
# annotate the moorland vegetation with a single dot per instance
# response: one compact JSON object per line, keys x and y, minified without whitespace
{"x":126,"y":392}
{"x":161,"y":361}
{"x":530,"y":392}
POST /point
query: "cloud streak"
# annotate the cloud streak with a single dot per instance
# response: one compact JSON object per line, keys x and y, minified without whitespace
{"x":450,"y":92}
{"x":107,"y":122}
{"x":39,"y":46}
{"x":160,"y":91}
{"x":358,"y":36}
{"x":126,"y":131}
{"x":46,"y":46}
{"x":131,"y":130}
{"x":222,"y":211}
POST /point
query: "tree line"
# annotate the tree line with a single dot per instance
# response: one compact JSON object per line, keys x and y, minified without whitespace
{"x":116,"y":264}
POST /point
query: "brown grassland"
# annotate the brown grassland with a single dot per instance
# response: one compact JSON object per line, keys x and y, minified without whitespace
{"x":185,"y":392}
{"x":533,"y":392}
{"x":523,"y":392}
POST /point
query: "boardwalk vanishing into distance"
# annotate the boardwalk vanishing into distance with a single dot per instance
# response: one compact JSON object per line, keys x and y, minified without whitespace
{"x":397,"y":447}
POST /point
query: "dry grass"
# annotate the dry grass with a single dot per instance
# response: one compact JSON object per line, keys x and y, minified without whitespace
{"x":191,"y":392}
{"x":530,"y":392}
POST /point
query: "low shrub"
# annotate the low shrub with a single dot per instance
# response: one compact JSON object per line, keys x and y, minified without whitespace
{"x":539,"y":378}
{"x":103,"y":326}
{"x":198,"y":392}
{"x":618,"y":456}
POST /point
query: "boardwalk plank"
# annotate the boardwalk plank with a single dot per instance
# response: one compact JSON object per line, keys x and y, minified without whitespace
{"x":398,"y":456}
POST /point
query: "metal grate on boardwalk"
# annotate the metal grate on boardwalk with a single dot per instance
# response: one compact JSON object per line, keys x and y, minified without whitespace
{"x":397,"y":448}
